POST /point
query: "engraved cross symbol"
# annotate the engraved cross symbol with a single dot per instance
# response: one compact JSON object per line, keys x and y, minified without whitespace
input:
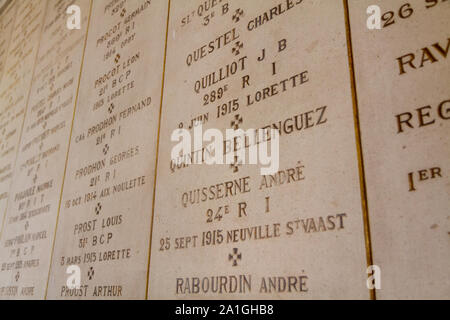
{"x":106,"y":149}
{"x":235,"y":257}
{"x":236,"y":164}
{"x":111,"y":108}
{"x":238,"y":120}
{"x":237,"y":15}
{"x":98,"y":208}
{"x":91,"y":273}
{"x":17,"y":276}
{"x":237,"y":48}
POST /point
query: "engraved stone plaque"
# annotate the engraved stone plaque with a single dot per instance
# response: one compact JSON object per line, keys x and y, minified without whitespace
{"x":7,"y":16}
{"x":220,"y":149}
{"x":226,"y":231}
{"x":9,"y":132}
{"x":402,"y":78}
{"x":28,"y":233}
{"x":15,"y":86}
{"x":105,"y":219}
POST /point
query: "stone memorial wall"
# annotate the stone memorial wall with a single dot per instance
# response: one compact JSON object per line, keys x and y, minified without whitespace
{"x":105,"y":214}
{"x":9,"y":133}
{"x":402,"y":82}
{"x":18,"y":250}
{"x":96,"y":97}
{"x":34,"y":200}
